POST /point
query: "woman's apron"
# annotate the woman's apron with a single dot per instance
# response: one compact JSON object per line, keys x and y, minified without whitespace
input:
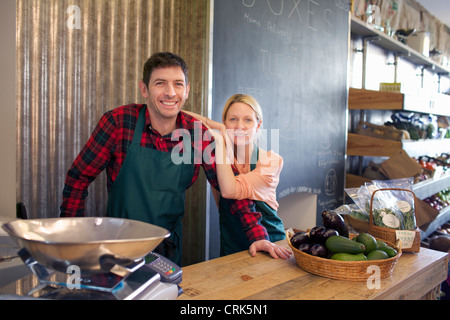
{"x":151,"y":188}
{"x":232,"y":236}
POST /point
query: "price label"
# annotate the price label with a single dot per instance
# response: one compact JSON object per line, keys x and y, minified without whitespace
{"x":406,"y":237}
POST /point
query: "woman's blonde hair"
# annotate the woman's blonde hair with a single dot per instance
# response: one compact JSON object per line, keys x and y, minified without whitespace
{"x":244,"y":98}
{"x":248,"y":100}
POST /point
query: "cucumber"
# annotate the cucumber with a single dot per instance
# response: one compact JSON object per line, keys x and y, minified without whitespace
{"x":381,"y":243}
{"x":343,"y":244}
{"x":368,"y":241}
{"x":377,"y":255}
{"x":342,"y":256}
{"x":390,"y":251}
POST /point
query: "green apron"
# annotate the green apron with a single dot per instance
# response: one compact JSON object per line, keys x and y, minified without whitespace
{"x":232,"y":236}
{"x":151,"y":188}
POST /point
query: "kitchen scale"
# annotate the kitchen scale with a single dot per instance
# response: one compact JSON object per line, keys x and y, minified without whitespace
{"x":152,"y":278}
{"x":91,"y":258}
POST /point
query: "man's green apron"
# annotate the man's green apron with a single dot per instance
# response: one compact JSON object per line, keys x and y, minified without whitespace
{"x":232,"y":236}
{"x":151,"y":188}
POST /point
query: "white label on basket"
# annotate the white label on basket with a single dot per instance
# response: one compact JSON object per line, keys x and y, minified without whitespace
{"x":404,"y":206}
{"x":406,"y":237}
{"x":391,"y":221}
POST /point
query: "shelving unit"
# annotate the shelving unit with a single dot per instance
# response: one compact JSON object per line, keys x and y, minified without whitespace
{"x":360,"y":145}
{"x":438,"y":104}
{"x":427,"y":188}
{"x":366,"y":30}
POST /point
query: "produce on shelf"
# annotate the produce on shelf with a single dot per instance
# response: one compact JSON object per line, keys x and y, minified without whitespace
{"x":433,"y":166}
{"x":439,"y":200}
{"x":444,"y":230}
{"x":418,"y":126}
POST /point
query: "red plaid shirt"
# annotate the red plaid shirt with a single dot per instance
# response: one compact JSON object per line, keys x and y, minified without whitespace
{"x":107,"y":147}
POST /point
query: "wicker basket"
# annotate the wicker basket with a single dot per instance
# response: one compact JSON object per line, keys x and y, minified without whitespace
{"x":358,"y":226}
{"x":388,"y":234}
{"x":345,"y":270}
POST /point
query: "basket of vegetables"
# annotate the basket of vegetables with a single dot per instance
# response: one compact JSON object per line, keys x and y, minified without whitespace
{"x":330,"y":251}
{"x":390,"y":209}
{"x":397,"y":221}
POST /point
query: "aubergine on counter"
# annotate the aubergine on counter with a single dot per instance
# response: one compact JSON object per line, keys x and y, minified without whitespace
{"x":319,"y":234}
{"x":319,"y":250}
{"x":333,"y":220}
{"x":300,"y":238}
{"x":316,"y":234}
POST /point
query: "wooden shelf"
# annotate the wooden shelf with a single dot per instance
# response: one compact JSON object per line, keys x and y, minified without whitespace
{"x":359,"y":145}
{"x":366,"y":30}
{"x":362,"y":99}
{"x":354,"y":181}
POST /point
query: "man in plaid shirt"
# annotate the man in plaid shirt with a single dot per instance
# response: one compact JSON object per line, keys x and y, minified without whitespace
{"x":139,"y":147}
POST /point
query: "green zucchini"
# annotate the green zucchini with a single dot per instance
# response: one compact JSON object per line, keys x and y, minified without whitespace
{"x":342,"y":256}
{"x":377,"y":255}
{"x":390,"y":251}
{"x":343,"y":244}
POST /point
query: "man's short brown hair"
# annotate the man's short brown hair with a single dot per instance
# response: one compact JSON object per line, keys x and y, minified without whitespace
{"x":164,"y":60}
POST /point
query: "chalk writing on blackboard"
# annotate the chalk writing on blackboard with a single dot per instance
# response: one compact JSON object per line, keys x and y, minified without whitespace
{"x":303,"y":12}
{"x":330,"y":182}
{"x":329,"y":203}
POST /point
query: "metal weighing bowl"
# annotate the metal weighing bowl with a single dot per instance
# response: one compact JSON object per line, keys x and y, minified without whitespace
{"x":85,"y":242}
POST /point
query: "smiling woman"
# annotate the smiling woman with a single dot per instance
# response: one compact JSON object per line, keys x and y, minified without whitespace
{"x":245,"y":171}
{"x":242,"y":124}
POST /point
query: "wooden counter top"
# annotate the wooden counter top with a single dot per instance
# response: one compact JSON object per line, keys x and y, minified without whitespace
{"x":240,"y":276}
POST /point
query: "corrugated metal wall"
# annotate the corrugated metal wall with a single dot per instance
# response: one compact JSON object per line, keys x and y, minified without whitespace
{"x":76,"y":59}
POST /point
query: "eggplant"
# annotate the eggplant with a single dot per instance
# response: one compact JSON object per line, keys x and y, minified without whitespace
{"x":305,"y":247}
{"x":319,"y":250}
{"x":300,"y":238}
{"x":329,"y":233}
{"x":333,"y":220}
{"x":316,"y":234}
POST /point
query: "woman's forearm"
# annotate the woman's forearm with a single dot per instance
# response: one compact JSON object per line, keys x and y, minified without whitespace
{"x":225,"y":174}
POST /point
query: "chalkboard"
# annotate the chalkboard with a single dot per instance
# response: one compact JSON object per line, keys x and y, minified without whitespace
{"x":291,"y":55}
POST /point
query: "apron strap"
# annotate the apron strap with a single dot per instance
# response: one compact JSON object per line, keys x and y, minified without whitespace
{"x":255,"y":158}
{"x":139,"y":129}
